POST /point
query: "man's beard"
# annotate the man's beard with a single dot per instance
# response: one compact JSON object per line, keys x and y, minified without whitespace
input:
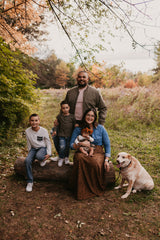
{"x":80,"y":85}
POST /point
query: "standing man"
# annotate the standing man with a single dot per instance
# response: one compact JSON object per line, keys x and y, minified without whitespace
{"x":83,"y":97}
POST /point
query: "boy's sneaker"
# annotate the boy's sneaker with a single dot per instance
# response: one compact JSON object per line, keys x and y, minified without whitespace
{"x":66,"y":160}
{"x":43,"y":163}
{"x":60,"y":162}
{"x":29,"y":187}
{"x":54,"y":159}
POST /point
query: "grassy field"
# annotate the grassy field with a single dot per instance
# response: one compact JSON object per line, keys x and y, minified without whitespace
{"x":51,"y":212}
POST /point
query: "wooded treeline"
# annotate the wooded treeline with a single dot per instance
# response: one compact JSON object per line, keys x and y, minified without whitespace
{"x":51,"y":72}
{"x":21,"y":74}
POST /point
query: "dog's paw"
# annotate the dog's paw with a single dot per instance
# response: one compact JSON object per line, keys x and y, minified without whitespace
{"x":134,"y":191}
{"x":124,"y":196}
{"x":125,"y":185}
{"x":118,"y":187}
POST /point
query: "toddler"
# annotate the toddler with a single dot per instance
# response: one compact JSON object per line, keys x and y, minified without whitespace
{"x":65,"y":123}
{"x":85,"y":135}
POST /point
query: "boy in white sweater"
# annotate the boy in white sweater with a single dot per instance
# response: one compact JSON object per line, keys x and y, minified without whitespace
{"x":39,"y":147}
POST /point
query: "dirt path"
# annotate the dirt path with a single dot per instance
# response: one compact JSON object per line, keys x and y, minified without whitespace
{"x":51,"y":212}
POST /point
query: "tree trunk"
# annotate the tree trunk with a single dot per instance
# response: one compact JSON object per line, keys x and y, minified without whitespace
{"x":52,"y":172}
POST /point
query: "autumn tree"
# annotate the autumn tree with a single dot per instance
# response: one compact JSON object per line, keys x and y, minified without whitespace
{"x":103,"y":76}
{"x":61,"y":74}
{"x":58,"y":73}
{"x":78,"y":19}
{"x":16,"y":19}
{"x":97,"y":75}
{"x":51,"y":72}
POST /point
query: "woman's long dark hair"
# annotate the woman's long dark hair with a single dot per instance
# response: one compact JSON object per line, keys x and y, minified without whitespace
{"x":83,"y":123}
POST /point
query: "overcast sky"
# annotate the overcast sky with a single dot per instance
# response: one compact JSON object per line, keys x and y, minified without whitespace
{"x":133,"y":59}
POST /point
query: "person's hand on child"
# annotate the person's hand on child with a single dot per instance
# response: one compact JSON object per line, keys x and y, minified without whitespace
{"x":54,"y":133}
{"x":56,"y":123}
{"x":85,"y":143}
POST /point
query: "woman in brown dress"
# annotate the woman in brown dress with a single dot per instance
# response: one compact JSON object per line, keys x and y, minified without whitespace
{"x":87,"y":178}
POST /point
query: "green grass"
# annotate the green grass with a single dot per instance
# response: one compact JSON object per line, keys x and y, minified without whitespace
{"x":126,"y":133}
{"x":135,"y":216}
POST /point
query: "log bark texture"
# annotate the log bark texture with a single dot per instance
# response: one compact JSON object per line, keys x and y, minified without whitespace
{"x":52,"y":172}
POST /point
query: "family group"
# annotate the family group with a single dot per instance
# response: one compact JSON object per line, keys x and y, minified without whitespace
{"x":76,"y":127}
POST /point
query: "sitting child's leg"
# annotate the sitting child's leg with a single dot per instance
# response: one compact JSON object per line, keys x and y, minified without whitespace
{"x":28,"y":163}
{"x":40,"y":155}
{"x":83,"y":151}
{"x":91,"y":151}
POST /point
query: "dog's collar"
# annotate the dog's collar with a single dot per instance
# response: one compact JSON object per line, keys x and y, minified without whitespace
{"x":125,"y":166}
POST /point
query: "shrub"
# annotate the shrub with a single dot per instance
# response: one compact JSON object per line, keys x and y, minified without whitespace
{"x":16,"y":91}
{"x":130,"y":84}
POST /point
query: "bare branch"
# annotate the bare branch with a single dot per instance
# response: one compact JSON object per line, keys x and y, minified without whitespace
{"x":124,"y":25}
{"x":120,"y":9}
{"x":9,"y":33}
{"x":9,"y":9}
{"x":17,"y":13}
{"x":72,"y":42}
{"x":83,"y":12}
{"x":67,"y":15}
{"x":139,"y":3}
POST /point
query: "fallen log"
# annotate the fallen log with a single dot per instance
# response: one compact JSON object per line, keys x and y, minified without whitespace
{"x":49,"y":172}
{"x":52,"y":172}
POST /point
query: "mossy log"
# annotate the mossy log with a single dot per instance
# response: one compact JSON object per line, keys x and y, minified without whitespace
{"x":52,"y":172}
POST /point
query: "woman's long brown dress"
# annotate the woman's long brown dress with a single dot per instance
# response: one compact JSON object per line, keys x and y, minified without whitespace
{"x":87,"y":178}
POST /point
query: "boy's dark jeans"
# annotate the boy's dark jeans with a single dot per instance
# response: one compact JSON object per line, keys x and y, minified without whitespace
{"x":64,"y":144}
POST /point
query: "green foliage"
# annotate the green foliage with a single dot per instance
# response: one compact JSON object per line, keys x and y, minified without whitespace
{"x":16,"y":91}
{"x":157,"y":54}
{"x":144,"y":79}
{"x":71,"y":80}
{"x":157,"y":59}
{"x":44,"y":70}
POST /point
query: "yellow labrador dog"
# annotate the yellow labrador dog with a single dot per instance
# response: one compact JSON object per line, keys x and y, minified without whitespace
{"x":132,"y":171}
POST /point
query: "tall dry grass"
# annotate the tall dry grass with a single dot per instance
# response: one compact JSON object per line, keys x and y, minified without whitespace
{"x":131,"y":107}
